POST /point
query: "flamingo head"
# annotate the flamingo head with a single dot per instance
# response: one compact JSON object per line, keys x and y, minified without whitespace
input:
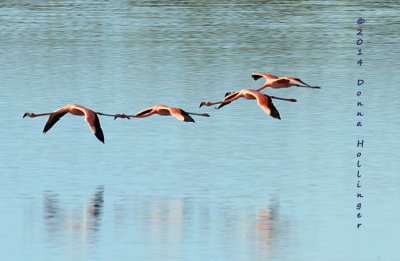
{"x":206,"y":103}
{"x":29,"y":114}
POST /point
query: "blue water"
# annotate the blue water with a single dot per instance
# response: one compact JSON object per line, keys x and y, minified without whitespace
{"x":239,"y":185}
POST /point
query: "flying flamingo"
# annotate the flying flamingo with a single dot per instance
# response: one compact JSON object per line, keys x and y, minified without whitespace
{"x":263,"y":100}
{"x":90,"y":117}
{"x":164,"y":111}
{"x":283,"y":82}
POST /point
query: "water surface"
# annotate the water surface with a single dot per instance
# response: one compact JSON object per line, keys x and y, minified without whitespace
{"x":239,"y":185}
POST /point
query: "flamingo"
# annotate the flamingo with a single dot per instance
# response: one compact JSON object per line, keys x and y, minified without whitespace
{"x":90,"y":117}
{"x":164,"y":111}
{"x":283,"y":82}
{"x":263,"y":100}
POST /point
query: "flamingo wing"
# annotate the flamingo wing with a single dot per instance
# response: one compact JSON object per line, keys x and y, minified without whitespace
{"x":225,"y":103}
{"x":53,"y":118}
{"x":274,"y":112}
{"x":257,"y":76}
{"x":265,"y":102}
{"x":183,"y":116}
{"x":141,"y":113}
{"x":228,"y":96}
{"x":98,"y":132}
{"x":295,"y":80}
{"x":284,"y":81}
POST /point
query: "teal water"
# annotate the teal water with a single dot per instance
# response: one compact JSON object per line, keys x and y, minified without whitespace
{"x":239,"y":185}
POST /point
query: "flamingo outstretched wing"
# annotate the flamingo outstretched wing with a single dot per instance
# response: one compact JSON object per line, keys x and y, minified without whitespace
{"x":53,"y":118}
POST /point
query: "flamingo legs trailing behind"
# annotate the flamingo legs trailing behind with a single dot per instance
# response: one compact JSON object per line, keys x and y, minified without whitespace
{"x":283,"y":82}
{"x":263,"y":100}
{"x":164,"y":111}
{"x":90,"y":117}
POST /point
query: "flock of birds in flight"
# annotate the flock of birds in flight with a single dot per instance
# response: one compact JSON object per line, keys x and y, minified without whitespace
{"x":263,"y":100}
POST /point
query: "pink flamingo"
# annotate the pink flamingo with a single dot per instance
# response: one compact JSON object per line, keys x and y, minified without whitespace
{"x":164,"y":111}
{"x":90,"y":117}
{"x":283,"y":82}
{"x":263,"y":100}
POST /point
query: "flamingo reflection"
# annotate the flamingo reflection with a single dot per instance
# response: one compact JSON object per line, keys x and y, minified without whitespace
{"x":62,"y":220}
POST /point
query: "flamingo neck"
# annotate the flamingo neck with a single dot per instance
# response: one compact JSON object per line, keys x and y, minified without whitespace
{"x":32,"y":115}
{"x":267,"y":84}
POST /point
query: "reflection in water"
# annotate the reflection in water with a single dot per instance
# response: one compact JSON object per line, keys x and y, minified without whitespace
{"x":61,"y":221}
{"x":166,"y":224}
{"x":263,"y":227}
{"x":268,"y":230}
{"x":171,"y":226}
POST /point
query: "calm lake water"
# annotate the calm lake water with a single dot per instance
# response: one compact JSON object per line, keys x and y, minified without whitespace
{"x":239,"y":185}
